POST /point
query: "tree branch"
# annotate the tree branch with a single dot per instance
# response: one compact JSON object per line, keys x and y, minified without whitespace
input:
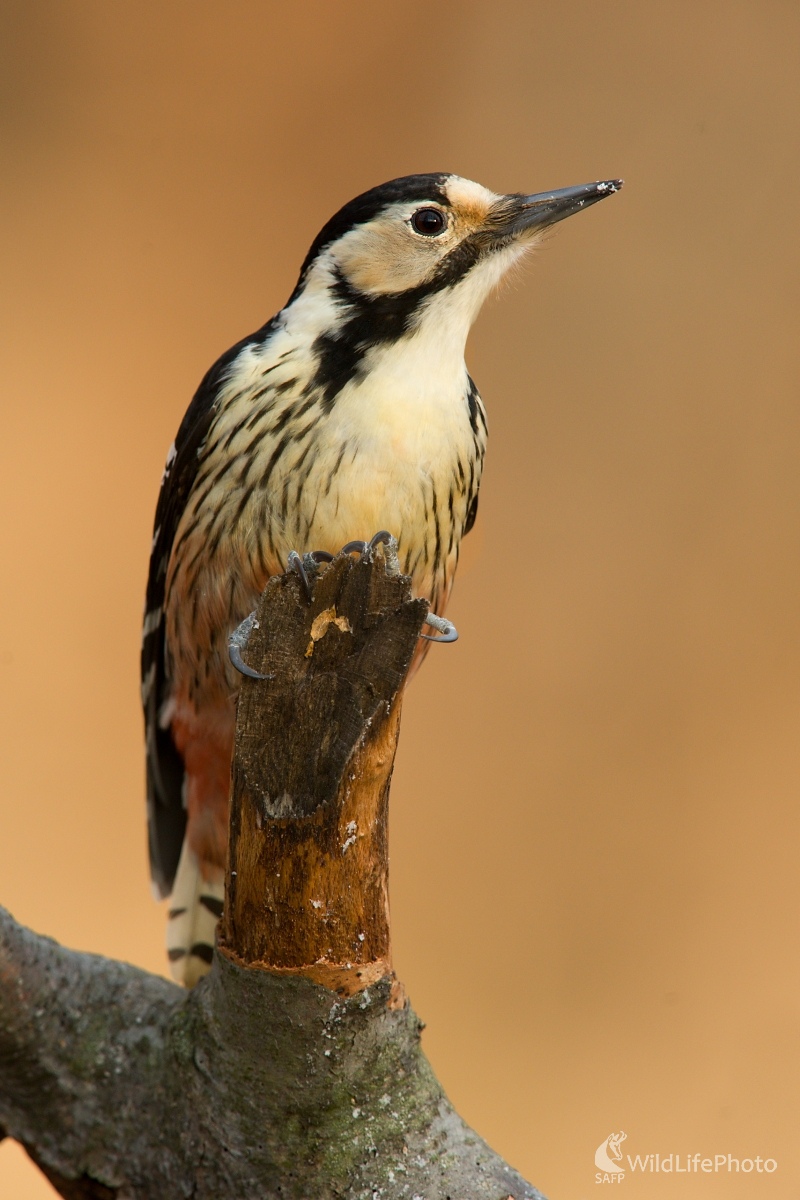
{"x":294,"y":1069}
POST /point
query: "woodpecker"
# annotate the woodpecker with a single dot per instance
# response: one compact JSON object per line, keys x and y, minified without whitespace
{"x":350,"y":411}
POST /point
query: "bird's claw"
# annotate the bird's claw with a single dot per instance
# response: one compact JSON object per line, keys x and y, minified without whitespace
{"x":295,"y":563}
{"x":390,"y":555}
{"x":305,"y":567}
{"x":237,"y":641}
{"x":381,"y":538}
{"x":446,"y":628}
{"x":356,"y":547}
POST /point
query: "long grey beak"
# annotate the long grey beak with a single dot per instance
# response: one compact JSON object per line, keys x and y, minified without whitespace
{"x":546,"y":208}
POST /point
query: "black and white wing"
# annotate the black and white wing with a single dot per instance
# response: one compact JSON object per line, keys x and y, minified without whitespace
{"x":166,"y":815}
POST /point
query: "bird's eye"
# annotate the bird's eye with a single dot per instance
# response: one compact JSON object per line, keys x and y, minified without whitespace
{"x":428,"y":221}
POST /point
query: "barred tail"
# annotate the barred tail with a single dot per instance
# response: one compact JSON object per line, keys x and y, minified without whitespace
{"x":194,"y":909}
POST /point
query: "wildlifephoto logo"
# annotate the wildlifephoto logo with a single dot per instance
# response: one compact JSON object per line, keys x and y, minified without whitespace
{"x":608,"y":1159}
{"x":612,"y":1164}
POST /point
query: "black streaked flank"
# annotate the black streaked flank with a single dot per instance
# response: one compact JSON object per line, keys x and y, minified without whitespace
{"x":473,"y":402}
{"x":289,"y":414}
{"x":471,"y":514}
{"x":332,"y":475}
{"x":242,"y":423}
{"x":437,"y":557}
{"x":248,"y":457}
{"x":304,"y":455}
{"x":285,"y":497}
{"x":275,"y":456}
{"x":274,"y":365}
{"x":259,"y":415}
{"x":451,"y":508}
{"x":213,"y":542}
{"x":286,"y":386}
{"x":244,"y":501}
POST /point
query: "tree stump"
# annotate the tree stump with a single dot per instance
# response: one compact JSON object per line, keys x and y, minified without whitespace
{"x":307,"y":888}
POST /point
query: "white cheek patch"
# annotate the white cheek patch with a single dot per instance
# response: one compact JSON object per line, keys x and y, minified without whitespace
{"x":386,"y":256}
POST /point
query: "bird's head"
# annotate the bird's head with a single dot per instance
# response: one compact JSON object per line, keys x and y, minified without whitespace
{"x":429,"y":246}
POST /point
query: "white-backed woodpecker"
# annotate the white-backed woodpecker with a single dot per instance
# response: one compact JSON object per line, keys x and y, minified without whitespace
{"x":350,"y":411}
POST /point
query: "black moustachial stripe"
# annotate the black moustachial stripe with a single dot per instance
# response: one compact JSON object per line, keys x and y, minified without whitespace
{"x":376,"y":320}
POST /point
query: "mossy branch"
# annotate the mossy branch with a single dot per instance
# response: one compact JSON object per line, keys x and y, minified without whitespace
{"x":294,"y":1069}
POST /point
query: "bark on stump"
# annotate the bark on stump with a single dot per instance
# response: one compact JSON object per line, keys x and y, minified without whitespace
{"x":294,"y":1070}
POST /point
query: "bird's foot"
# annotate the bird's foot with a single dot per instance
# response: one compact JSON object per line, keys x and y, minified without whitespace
{"x":295,"y":563}
{"x":237,"y":642}
{"x":306,"y":566}
{"x":381,"y":538}
{"x":390,"y":556}
{"x":446,"y":628}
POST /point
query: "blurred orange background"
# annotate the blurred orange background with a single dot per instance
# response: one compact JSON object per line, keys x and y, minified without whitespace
{"x":594,"y":812}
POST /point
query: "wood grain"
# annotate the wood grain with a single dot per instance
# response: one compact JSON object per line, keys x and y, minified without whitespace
{"x":307,"y":882}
